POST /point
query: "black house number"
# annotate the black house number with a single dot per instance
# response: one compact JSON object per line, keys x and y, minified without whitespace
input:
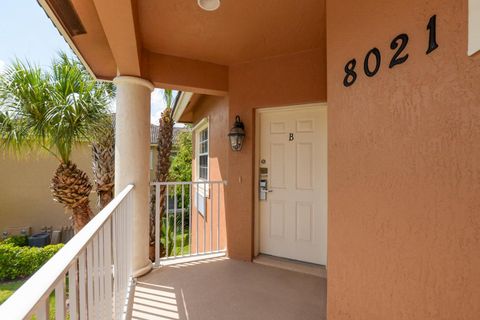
{"x":373,"y":58}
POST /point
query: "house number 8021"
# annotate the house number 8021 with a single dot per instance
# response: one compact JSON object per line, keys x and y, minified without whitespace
{"x":373,"y":58}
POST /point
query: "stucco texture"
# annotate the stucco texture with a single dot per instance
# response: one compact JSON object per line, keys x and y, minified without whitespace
{"x":25,"y":197}
{"x":404,"y":165}
{"x":216,"y":110}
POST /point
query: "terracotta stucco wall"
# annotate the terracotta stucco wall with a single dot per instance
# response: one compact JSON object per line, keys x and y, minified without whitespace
{"x":280,"y":81}
{"x":404,"y":165}
{"x":216,"y":109}
{"x":25,"y":197}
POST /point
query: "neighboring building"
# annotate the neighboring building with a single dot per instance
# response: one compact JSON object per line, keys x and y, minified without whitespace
{"x":362,"y":129}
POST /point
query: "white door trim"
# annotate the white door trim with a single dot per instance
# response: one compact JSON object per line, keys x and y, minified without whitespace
{"x":258,"y":112}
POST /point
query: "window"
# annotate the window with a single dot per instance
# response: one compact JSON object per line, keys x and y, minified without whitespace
{"x":202,"y":154}
{"x":151,"y":159}
{"x":201,"y":168}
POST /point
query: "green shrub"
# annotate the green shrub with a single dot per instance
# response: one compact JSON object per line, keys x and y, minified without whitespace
{"x":19,"y":241}
{"x":18,"y":262}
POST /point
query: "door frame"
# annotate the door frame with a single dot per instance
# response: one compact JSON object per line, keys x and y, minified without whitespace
{"x":256,"y":165}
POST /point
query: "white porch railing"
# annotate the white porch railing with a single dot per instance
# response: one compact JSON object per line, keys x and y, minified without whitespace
{"x":89,"y":278}
{"x":190,"y":223}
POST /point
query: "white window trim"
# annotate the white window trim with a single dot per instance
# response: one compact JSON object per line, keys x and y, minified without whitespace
{"x":151,"y":158}
{"x":203,"y":190}
{"x":473,"y":26}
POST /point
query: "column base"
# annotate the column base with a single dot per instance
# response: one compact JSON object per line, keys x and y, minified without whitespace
{"x":143,"y":270}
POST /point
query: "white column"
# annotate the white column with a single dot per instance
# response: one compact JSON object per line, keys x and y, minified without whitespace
{"x":132,"y":159}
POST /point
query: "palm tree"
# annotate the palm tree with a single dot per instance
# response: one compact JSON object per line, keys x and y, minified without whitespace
{"x":103,"y":151}
{"x":54,"y":111}
{"x":164,"y":149}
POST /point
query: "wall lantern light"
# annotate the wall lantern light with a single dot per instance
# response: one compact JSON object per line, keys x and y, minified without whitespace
{"x":209,"y":5}
{"x":237,"y":134}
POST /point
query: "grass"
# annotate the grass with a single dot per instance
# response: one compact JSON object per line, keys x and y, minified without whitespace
{"x":179,"y":249}
{"x":186,"y":246}
{"x":8,"y":288}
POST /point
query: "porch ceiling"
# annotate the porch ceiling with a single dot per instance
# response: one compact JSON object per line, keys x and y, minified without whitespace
{"x":175,"y":44}
{"x":238,"y":31}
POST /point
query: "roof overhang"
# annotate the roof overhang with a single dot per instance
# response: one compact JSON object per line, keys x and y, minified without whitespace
{"x":63,"y":31}
{"x":181,"y":104}
{"x":176,"y":45}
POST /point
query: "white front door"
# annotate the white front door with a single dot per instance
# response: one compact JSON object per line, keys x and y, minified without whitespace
{"x":293,"y":162}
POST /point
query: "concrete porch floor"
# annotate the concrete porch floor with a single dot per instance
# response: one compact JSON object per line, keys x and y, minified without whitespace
{"x":227,"y":289}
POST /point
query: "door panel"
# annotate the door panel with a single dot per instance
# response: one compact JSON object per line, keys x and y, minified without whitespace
{"x":293,"y":151}
{"x":305,"y":170}
{"x":278,"y":168}
{"x":277,"y":217}
{"x":304,"y":221}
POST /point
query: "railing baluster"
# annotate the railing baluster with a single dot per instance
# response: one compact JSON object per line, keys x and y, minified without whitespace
{"x":183,"y":217}
{"x":128,"y":219}
{"x":60,"y":299}
{"x":190,"y":215}
{"x":107,"y":271}
{"x":96,"y":277}
{"x":115,"y":264}
{"x":175,"y":220}
{"x":197,"y":218}
{"x":167,"y":229}
{"x":210,"y":188}
{"x":43,"y":312}
{"x":101,"y":274}
{"x":82,"y":273}
{"x":121,"y":256}
{"x":218,"y":217}
{"x":204,"y":203}
{"x":72,"y":291}
{"x":90,"y":276}
{"x":157,"y":224}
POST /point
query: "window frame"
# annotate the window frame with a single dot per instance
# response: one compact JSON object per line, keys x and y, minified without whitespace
{"x":202,"y":154}
{"x":203,"y":189}
{"x":152,"y":158}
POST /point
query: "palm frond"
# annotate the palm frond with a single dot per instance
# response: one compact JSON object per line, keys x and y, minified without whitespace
{"x":52,"y":110}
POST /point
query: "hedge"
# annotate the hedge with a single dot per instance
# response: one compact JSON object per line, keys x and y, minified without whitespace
{"x":19,"y":241}
{"x":19,"y":262}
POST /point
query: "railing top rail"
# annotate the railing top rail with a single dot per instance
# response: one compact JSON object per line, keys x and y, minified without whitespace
{"x":41,"y":283}
{"x":157,"y":183}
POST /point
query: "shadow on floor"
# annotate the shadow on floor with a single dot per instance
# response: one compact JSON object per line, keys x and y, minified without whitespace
{"x":228,"y":289}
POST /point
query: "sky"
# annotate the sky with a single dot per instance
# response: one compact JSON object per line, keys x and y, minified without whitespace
{"x":27,"y":33}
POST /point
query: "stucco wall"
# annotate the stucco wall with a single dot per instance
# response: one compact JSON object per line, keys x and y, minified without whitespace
{"x":216,"y":109}
{"x":25,"y":197}
{"x":280,"y":81}
{"x":404,"y":165}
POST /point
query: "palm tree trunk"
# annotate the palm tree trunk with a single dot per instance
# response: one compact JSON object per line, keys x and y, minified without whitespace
{"x":103,"y":151}
{"x":164,"y":149}
{"x":71,"y":187}
{"x":81,"y":215}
